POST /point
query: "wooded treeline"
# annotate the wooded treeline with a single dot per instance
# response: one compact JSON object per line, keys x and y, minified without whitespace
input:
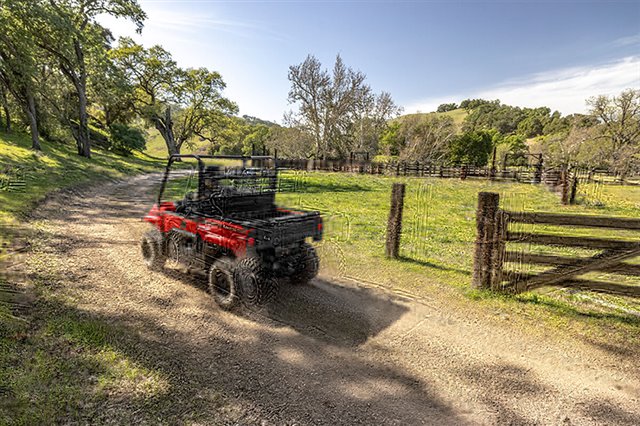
{"x":338,"y":116}
{"x":607,"y":137}
{"x":64,"y":77}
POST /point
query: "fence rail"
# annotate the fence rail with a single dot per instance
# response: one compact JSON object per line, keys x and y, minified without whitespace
{"x":494,"y":235}
{"x":532,"y":173}
{"x":573,"y":220}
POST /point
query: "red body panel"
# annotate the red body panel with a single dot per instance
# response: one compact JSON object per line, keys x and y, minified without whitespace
{"x":224,"y":234}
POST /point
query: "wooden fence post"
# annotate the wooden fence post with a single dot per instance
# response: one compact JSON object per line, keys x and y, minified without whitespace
{"x":537,"y":178}
{"x":488,"y":203}
{"x":492,"y":173}
{"x":498,"y":249}
{"x":394,"y":225}
{"x":574,"y":189}
{"x":564,"y":182}
{"x":463,"y":172}
{"x":504,"y":165}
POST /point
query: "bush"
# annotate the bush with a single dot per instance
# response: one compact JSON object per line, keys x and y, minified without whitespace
{"x":447,"y":107}
{"x":517,"y":150}
{"x":391,"y":141}
{"x":125,"y":139}
{"x":473,"y":148}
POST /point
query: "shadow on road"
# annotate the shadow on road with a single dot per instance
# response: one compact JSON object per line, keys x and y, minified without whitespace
{"x":330,"y":312}
{"x":225,"y":368}
{"x":335,"y":313}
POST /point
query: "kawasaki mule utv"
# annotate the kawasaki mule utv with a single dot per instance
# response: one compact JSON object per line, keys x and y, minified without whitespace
{"x":230,"y":228}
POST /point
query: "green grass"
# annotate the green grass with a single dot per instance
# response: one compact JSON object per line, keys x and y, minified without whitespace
{"x":458,"y":116}
{"x":56,"y":362}
{"x":56,"y":167}
{"x":67,"y":367}
{"x":156,"y":146}
{"x":439,"y":217}
{"x":438,"y":238}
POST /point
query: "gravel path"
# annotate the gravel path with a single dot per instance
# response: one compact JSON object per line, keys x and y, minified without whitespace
{"x":330,"y":353}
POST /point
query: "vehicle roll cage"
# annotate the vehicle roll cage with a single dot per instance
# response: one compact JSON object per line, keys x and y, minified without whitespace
{"x":201,"y":167}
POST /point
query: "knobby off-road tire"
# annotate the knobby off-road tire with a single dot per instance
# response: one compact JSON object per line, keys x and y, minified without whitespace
{"x":152,"y":251}
{"x":222,"y":285}
{"x":256,"y":285}
{"x":307,"y":265}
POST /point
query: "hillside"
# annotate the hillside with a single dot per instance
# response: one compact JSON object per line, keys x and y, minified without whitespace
{"x":27,"y":176}
{"x":458,"y":115}
{"x":156,"y":147}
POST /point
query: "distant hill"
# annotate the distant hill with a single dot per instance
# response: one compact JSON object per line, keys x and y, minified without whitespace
{"x":156,"y":146}
{"x":458,"y":115}
{"x":253,"y":121}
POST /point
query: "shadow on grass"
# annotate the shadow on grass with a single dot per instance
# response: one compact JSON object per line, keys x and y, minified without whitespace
{"x":427,"y":264}
{"x":568,"y":309}
{"x":561,"y":308}
{"x":155,"y":159}
{"x":302,"y":185}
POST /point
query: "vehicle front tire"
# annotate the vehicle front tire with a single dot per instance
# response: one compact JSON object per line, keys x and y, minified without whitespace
{"x":222,"y":285}
{"x":152,"y":252}
{"x":256,"y":285}
{"x":307,"y":265}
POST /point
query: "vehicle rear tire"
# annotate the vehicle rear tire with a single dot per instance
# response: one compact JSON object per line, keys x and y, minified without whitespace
{"x":307,"y":265}
{"x":152,"y":252}
{"x":256,"y":285}
{"x":222,"y":285}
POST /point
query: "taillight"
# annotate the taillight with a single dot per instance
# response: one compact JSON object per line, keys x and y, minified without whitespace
{"x":251,"y":241}
{"x":319,"y":226}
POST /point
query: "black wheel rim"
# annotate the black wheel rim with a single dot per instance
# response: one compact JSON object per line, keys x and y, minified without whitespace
{"x":249,"y":287}
{"x":174,"y":254}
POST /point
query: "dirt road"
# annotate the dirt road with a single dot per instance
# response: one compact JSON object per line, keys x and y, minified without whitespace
{"x":329,"y":353}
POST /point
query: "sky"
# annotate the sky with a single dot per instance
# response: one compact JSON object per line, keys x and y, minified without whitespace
{"x":543,"y":53}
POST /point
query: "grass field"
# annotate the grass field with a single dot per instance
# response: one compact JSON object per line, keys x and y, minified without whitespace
{"x":438,"y":236}
{"x":156,"y":146}
{"x":458,"y":116}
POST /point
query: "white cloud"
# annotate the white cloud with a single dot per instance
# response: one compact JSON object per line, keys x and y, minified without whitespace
{"x":565,"y":90}
{"x":205,"y":38}
{"x":166,"y":27}
{"x":627,"y":41}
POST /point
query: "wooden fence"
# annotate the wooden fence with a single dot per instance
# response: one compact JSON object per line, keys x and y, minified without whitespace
{"x":533,"y":173}
{"x":492,"y":251}
{"x":414,"y":169}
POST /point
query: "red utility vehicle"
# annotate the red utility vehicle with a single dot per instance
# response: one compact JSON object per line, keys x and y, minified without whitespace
{"x":231,"y":229}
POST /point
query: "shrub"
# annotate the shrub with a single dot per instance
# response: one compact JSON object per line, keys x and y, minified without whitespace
{"x":125,"y":139}
{"x":472,"y":148}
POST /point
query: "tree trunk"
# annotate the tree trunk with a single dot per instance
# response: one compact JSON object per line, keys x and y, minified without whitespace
{"x":7,"y":112}
{"x":84,"y":143}
{"x":107,"y":117}
{"x":165,"y":127}
{"x":33,"y":121}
